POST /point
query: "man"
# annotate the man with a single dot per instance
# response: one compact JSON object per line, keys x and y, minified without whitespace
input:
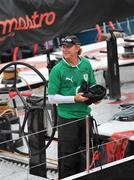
{"x":63,"y":89}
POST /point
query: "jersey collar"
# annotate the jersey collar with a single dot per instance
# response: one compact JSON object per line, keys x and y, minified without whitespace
{"x":79,"y":61}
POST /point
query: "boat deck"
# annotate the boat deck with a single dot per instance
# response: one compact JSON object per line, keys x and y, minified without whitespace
{"x":102,"y":112}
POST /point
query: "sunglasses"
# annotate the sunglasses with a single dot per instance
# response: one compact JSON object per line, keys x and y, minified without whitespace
{"x":67,"y":40}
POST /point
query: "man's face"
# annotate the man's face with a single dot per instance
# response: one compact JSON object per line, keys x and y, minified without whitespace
{"x":70,"y":50}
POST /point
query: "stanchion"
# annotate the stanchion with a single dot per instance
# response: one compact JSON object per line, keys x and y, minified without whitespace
{"x":87,"y":144}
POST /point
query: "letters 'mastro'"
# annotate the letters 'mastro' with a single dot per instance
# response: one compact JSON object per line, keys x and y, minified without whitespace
{"x":34,"y":21}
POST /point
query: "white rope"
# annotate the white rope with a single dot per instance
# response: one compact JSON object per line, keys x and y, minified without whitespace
{"x":6,"y":111}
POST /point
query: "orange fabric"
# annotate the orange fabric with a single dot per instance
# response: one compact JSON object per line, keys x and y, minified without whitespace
{"x":117,"y":146}
{"x":36,"y":46}
{"x":111,"y":25}
{"x":15,"y":53}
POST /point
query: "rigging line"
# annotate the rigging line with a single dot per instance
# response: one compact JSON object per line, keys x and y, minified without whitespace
{"x":81,"y":151}
{"x":36,"y":133}
{"x":60,"y":158}
{"x":53,"y":127}
{"x":28,"y":85}
{"x":116,"y":140}
{"x":24,"y":136}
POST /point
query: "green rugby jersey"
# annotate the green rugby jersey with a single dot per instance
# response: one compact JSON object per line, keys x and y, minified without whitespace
{"x":65,"y":80}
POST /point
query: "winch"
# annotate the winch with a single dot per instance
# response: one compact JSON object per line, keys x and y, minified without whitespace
{"x":9,"y":74}
{"x":128,"y":51}
{"x":128,"y":48}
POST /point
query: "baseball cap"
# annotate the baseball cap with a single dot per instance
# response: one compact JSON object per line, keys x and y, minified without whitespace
{"x":70,"y":40}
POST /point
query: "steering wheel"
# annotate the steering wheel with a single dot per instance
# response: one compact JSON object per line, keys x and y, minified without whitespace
{"x":27,"y":108}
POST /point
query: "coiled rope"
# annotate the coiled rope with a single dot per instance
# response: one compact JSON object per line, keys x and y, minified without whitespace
{"x":125,"y":114}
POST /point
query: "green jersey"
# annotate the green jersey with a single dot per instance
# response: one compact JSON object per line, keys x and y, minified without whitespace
{"x":66,"y":80}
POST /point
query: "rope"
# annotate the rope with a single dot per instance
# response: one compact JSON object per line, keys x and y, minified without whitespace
{"x":125,"y":114}
{"x":7,"y":111}
{"x":5,"y":107}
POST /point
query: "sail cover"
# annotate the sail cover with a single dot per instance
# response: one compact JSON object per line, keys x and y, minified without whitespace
{"x":24,"y":22}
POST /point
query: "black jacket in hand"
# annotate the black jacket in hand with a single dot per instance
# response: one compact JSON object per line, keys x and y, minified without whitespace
{"x":95,"y":93}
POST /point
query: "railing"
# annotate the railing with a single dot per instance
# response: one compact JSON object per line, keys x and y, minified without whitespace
{"x":109,"y":153}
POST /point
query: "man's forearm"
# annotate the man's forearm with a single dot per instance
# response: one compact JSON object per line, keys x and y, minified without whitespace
{"x":60,"y":99}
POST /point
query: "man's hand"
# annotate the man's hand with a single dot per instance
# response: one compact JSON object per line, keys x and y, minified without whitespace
{"x":80,"y":98}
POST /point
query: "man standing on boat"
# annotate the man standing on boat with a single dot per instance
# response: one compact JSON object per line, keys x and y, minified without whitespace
{"x":63,"y":89}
